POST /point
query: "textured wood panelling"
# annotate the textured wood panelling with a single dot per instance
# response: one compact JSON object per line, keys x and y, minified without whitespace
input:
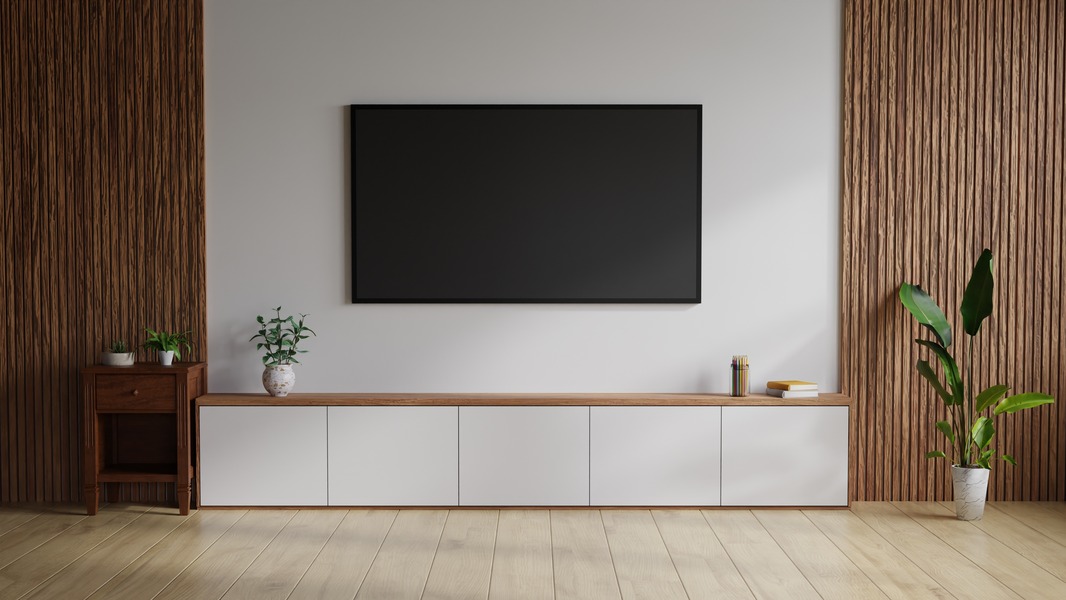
{"x":952,"y":141}
{"x":102,"y":152}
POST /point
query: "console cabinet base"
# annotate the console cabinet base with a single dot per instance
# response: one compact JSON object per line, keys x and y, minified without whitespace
{"x":335,"y":454}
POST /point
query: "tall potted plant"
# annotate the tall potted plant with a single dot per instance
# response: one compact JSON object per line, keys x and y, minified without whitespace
{"x":969,"y":430}
{"x":280,"y":337}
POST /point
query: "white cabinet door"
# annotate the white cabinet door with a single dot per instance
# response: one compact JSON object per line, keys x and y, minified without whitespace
{"x":655,"y":455}
{"x":393,"y":455}
{"x":262,"y":455}
{"x":524,"y":455}
{"x":784,"y":455}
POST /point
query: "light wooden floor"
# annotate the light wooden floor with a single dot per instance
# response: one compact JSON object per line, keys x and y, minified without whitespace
{"x":875,"y":550}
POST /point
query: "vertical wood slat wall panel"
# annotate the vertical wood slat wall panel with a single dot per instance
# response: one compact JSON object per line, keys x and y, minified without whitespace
{"x":952,"y":141}
{"x":102,"y":220}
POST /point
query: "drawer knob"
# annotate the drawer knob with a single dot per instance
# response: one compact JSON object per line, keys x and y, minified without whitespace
{"x":135,"y":392}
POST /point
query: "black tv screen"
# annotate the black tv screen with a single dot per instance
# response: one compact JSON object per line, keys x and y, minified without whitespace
{"x":526,"y":203}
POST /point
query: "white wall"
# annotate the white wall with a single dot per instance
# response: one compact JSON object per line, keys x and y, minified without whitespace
{"x":280,"y":74}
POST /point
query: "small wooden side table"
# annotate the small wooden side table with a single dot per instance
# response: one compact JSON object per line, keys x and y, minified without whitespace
{"x":137,"y":426}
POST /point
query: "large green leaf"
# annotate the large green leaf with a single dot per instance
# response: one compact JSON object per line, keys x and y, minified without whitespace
{"x":1022,"y":402}
{"x":925,"y":310}
{"x":977,"y":300}
{"x":951,"y":370}
{"x":945,"y":428}
{"x":935,"y":454}
{"x":927,"y":372}
{"x":989,"y":397}
{"x":982,"y":432}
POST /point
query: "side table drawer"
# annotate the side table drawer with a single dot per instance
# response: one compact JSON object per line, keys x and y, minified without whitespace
{"x":121,"y":393}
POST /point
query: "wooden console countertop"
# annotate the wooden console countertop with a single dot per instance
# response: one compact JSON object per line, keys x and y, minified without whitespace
{"x":311,"y":399}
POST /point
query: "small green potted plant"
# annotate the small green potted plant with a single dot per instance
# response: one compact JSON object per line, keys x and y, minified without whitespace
{"x":167,"y":345}
{"x":969,"y":432}
{"x":280,"y":338}
{"x":118,"y":354}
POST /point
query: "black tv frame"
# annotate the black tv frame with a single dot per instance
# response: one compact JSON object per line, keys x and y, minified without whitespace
{"x":699,"y":206}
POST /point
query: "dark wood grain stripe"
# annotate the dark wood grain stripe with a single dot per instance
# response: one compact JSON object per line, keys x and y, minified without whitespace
{"x":102,"y":217}
{"x":952,"y":141}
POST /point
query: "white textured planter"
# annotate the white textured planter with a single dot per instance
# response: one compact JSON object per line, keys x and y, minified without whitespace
{"x":117,"y":359}
{"x":971,"y":489}
{"x":279,"y":380}
{"x":166,"y":357}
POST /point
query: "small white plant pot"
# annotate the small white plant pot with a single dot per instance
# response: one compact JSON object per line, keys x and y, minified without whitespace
{"x":279,"y":380}
{"x":166,"y":358}
{"x":971,"y":489}
{"x":117,"y":359}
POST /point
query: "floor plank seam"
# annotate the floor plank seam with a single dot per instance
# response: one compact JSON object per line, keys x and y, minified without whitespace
{"x":551,"y":551}
{"x":1024,"y":524}
{"x":377,"y":553}
{"x":610,"y":552}
{"x":197,"y":557}
{"x":495,"y":543}
{"x":317,"y":554}
{"x":436,"y":549}
{"x":670,"y":554}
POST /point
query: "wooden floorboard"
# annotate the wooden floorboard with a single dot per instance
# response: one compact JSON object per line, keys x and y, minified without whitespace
{"x":828,"y":569}
{"x":346,"y":558}
{"x":768,"y":571}
{"x":36,"y":566}
{"x":402,"y":564}
{"x":95,"y":568}
{"x":1023,"y":539}
{"x":216,"y":570}
{"x":273,"y":575}
{"x":952,"y":569}
{"x":702,"y":563}
{"x":153,"y":570}
{"x":894,"y":574}
{"x":522,"y":566}
{"x":641,"y":560}
{"x":582,"y":559}
{"x":35,"y":532}
{"x":994,"y":557}
{"x":462,"y":567}
{"x":879,"y":550}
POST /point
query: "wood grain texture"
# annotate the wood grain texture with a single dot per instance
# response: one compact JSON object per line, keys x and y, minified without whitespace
{"x":952,"y":141}
{"x":102,"y":214}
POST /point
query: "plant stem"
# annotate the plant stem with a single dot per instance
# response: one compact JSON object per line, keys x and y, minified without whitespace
{"x":969,"y":402}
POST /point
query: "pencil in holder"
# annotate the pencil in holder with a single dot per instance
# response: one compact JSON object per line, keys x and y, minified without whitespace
{"x":738,"y":379}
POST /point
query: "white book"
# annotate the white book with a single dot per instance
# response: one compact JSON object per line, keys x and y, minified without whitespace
{"x":792,"y":394}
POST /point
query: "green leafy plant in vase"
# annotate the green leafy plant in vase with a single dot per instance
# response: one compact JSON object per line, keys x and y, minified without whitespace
{"x":118,"y":354}
{"x":167,"y":345}
{"x":969,"y":430}
{"x":279,"y":339}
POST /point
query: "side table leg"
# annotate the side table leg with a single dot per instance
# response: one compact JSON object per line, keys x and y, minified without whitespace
{"x":92,"y":499}
{"x":183,"y":494}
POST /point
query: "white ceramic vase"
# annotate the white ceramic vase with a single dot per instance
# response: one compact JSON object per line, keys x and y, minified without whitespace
{"x":279,"y":380}
{"x":166,"y":357}
{"x":117,"y":359}
{"x":971,"y":489}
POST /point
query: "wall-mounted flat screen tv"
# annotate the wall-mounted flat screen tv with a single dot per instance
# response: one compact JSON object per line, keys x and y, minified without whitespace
{"x":526,"y":203}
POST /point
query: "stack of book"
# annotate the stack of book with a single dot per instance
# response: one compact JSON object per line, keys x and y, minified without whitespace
{"x":791,"y":388}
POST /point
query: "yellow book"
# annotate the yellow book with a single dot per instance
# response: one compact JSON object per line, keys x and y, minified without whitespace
{"x":791,"y":385}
